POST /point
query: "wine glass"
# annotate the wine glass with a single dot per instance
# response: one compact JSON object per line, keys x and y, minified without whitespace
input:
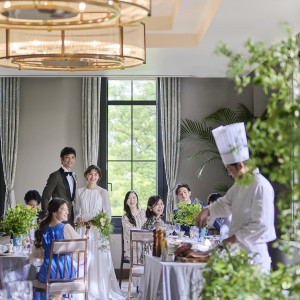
{"x":177,"y":228}
{"x":20,"y":290}
{"x":169,"y":229}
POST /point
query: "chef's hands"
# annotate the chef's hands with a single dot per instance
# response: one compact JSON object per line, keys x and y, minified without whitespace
{"x":202,"y":217}
{"x":230,"y":240}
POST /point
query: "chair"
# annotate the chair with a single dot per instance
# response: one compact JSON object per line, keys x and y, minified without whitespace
{"x":139,"y":239}
{"x":76,"y":249}
{"x":123,"y":259}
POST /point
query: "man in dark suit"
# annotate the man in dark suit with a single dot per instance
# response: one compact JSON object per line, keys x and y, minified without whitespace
{"x":62,"y":183}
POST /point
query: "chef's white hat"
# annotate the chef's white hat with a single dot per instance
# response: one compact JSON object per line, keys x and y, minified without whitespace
{"x":231,"y":141}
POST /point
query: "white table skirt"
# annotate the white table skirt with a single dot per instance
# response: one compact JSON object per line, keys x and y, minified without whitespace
{"x":171,"y":280}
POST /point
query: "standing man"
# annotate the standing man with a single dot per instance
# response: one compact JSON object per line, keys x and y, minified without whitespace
{"x":62,"y":183}
{"x":252,"y":207}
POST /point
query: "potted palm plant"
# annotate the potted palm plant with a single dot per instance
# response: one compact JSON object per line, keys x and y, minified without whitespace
{"x":18,"y":221}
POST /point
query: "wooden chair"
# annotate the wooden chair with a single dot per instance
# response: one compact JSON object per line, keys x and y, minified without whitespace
{"x":138,"y":240}
{"x":124,"y":260}
{"x":76,"y":250}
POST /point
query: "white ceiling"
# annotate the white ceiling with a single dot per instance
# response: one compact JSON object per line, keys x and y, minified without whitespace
{"x":182,"y":35}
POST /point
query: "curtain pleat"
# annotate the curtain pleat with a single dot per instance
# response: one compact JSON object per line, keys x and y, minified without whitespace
{"x":170,"y":124}
{"x":9,"y":126}
{"x":90,"y":119}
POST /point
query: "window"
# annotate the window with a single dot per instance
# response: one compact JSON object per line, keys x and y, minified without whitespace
{"x":130,"y":150}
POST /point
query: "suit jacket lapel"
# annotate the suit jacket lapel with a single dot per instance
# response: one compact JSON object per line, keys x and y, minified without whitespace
{"x":74,"y":187}
{"x":66,"y":183}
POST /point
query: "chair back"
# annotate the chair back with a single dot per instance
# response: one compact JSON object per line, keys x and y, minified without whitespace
{"x":72,"y":255}
{"x":141,"y":242}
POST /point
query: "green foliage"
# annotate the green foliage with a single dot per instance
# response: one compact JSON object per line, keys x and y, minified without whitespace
{"x":102,"y":222}
{"x":274,"y":142}
{"x":132,"y":142}
{"x":186,"y":213}
{"x":19,"y":220}
{"x":232,"y":275}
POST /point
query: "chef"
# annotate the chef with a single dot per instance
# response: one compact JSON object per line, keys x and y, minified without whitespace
{"x":252,"y":207}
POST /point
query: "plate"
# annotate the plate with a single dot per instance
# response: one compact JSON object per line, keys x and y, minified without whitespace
{"x":192,"y":259}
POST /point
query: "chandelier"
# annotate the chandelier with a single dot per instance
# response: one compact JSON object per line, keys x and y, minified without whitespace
{"x":72,"y":35}
{"x":71,"y":14}
{"x":73,"y":50}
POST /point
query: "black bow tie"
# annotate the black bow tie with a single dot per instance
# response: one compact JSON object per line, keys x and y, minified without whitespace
{"x":68,"y":173}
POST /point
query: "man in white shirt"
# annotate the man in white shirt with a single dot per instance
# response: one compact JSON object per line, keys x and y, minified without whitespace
{"x":252,"y":207}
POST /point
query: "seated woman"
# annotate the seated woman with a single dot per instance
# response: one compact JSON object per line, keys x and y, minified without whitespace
{"x":51,"y":227}
{"x":33,"y":199}
{"x":133,"y":218}
{"x":223,"y":222}
{"x":154,"y":213}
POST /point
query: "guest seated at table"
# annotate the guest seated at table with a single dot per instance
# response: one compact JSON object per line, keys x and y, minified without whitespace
{"x":224,"y":222}
{"x":183,"y":193}
{"x":51,"y":227}
{"x":154,"y":213}
{"x":134,"y":218}
{"x":33,"y":199}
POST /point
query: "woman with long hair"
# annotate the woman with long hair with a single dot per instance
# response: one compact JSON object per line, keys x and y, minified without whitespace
{"x":134,"y":218}
{"x":90,"y":200}
{"x":154,"y":213}
{"x":51,"y":227}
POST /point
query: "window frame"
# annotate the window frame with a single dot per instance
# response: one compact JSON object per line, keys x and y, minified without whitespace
{"x":162,"y":188}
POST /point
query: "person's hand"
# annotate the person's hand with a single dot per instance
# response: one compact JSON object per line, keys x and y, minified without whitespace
{"x":80,"y":222}
{"x":230,"y":240}
{"x":202,"y":217}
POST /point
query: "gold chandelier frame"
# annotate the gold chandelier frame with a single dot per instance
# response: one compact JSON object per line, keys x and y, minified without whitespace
{"x":71,"y":14}
{"x":73,"y":50}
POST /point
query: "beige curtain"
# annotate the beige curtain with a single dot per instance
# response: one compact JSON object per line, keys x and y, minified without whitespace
{"x":170,"y":124}
{"x":90,"y":119}
{"x":9,"y":126}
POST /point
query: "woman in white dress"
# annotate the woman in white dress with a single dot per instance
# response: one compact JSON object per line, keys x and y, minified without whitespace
{"x":90,"y":200}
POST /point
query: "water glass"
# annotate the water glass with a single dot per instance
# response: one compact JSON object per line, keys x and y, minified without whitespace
{"x":203,"y":232}
{"x":177,"y":228}
{"x":194,"y":232}
{"x":20,"y":290}
{"x":169,"y":229}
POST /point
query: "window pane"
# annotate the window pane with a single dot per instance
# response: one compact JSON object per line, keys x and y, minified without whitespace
{"x":119,"y":180}
{"x":144,"y":181}
{"x":144,"y":90}
{"x":119,"y":90}
{"x":144,"y":132}
{"x":119,"y":132}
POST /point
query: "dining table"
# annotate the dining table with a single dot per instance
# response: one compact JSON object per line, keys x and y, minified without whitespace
{"x":15,"y":267}
{"x":171,"y":280}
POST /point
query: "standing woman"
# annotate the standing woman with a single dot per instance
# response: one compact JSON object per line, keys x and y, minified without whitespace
{"x":51,"y":227}
{"x":134,"y":218}
{"x":90,"y":200}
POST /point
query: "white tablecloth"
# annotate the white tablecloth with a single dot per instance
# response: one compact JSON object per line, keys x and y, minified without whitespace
{"x":171,"y":280}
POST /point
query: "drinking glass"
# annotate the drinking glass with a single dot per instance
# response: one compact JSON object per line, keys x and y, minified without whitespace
{"x":192,"y":232}
{"x":169,"y":229}
{"x":177,"y":228}
{"x":20,"y":290}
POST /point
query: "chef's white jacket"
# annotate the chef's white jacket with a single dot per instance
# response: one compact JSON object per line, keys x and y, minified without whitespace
{"x":252,"y":209}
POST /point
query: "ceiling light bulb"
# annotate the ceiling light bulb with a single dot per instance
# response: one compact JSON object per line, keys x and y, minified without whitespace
{"x":82,"y":6}
{"x":7,"y":4}
{"x":110,"y":2}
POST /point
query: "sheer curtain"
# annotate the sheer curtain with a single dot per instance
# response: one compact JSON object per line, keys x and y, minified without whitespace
{"x":170,"y":124}
{"x":90,"y":119}
{"x":9,"y":123}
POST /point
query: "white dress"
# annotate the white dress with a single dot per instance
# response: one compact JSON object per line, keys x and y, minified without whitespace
{"x":102,"y":281}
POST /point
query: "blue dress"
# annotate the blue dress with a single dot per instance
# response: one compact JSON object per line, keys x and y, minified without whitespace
{"x":56,"y":233}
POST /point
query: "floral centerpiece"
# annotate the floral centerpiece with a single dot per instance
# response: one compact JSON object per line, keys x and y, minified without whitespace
{"x":186,"y":213}
{"x":19,"y":220}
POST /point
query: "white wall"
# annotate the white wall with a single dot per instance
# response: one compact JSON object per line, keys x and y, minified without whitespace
{"x":50,"y":119}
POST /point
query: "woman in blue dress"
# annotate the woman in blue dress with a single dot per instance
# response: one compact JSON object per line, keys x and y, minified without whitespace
{"x":51,"y":227}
